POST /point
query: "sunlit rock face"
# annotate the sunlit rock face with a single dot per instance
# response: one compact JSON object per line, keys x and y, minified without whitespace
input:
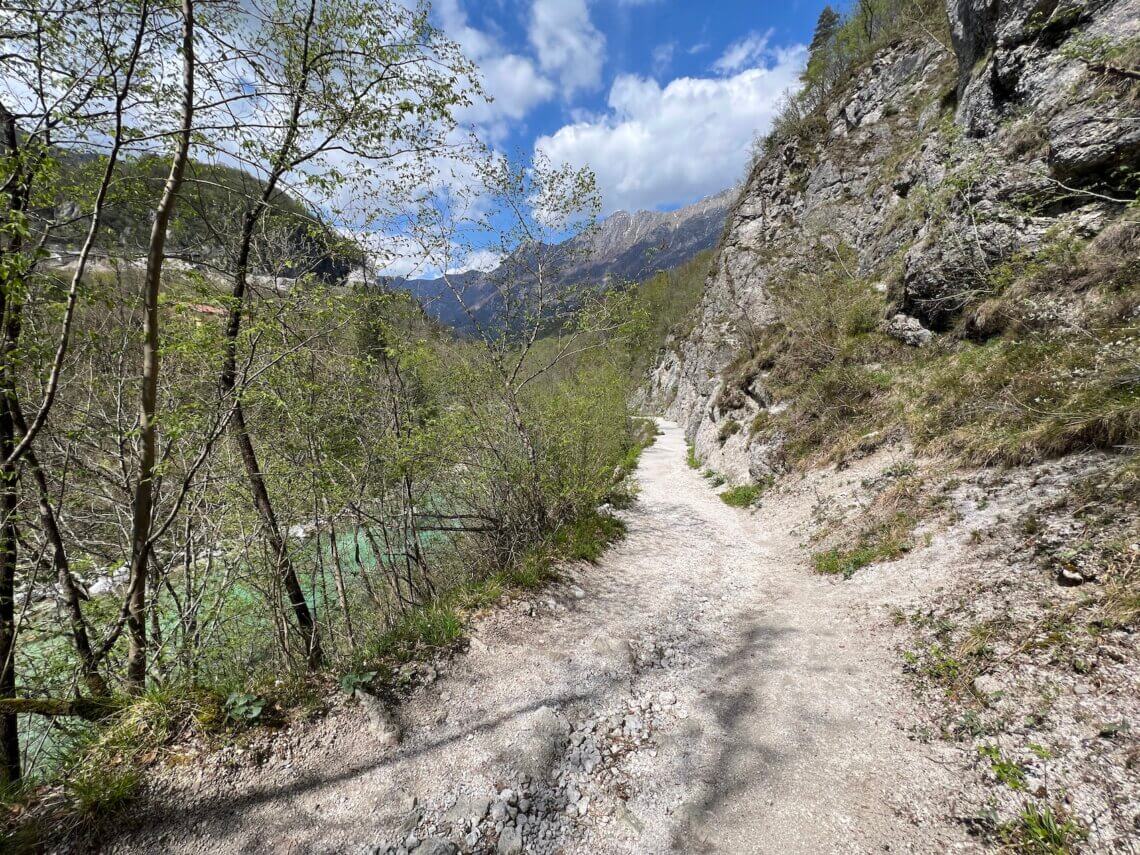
{"x":934,"y":163}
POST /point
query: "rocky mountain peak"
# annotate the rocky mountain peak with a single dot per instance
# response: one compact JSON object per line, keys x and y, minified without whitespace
{"x":625,"y":247}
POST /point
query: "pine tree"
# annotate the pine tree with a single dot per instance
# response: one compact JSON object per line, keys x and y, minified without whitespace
{"x":820,"y":51}
{"x":825,"y":29}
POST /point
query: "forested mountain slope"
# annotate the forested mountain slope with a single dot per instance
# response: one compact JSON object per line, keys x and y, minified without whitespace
{"x":203,"y":227}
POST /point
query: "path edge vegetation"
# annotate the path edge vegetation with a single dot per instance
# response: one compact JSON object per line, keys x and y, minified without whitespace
{"x":107,"y":773}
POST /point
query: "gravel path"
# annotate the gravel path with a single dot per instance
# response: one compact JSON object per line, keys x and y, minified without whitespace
{"x":698,"y":690}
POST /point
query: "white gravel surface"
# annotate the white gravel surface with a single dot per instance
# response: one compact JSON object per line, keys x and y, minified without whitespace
{"x":697,"y":690}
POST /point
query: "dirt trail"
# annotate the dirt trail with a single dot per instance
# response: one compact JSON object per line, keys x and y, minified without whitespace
{"x":697,"y":690}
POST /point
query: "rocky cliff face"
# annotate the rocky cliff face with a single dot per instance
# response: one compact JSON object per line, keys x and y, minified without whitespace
{"x":936,"y":163}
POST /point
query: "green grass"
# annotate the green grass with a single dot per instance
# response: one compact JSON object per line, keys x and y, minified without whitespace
{"x":586,"y":538}
{"x":691,"y":456}
{"x":1006,"y":384}
{"x":713,"y":477}
{"x":729,"y":428}
{"x":1008,"y":772}
{"x":743,"y":496}
{"x":846,"y":562}
{"x":421,"y":631}
{"x":103,"y":792}
{"x":440,"y":624}
{"x":1040,"y":831}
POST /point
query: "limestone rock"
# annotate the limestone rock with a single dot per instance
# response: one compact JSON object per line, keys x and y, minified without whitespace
{"x":510,"y":842}
{"x":930,"y":206}
{"x":381,"y":720}
{"x":908,"y":330}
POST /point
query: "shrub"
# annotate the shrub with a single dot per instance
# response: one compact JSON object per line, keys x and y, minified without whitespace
{"x":729,"y":428}
{"x":691,"y":456}
{"x":743,"y":496}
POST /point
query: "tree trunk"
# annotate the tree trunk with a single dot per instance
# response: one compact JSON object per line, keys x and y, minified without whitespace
{"x":142,"y":510}
{"x":239,"y":429}
{"x":9,"y":499}
{"x":9,"y":725}
{"x":284,"y":567}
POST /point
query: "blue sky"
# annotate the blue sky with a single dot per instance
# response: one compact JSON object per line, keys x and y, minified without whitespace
{"x":661,"y":98}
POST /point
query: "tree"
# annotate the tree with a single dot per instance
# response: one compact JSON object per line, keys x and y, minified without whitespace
{"x":868,"y":14}
{"x":370,"y":79}
{"x":59,"y":102}
{"x":825,"y":28}
{"x":338,"y":100}
{"x":821,"y":54}
{"x":142,"y":505}
{"x":537,"y":218}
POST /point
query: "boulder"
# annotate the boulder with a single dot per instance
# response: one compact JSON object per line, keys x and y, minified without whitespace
{"x":908,"y":330}
{"x":381,"y":721}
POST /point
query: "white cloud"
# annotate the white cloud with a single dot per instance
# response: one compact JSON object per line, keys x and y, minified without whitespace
{"x":663,"y":56}
{"x":662,"y":146}
{"x":394,"y":254}
{"x":478,"y":259}
{"x":567,"y":43}
{"x":516,"y":86}
{"x":514,"y":82}
{"x":743,"y":53}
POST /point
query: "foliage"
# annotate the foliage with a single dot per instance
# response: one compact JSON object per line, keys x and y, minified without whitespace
{"x":1042,"y":831}
{"x":691,"y":458}
{"x":354,"y":680}
{"x":824,"y":354}
{"x":667,"y":303}
{"x":840,"y":46}
{"x":422,"y":630}
{"x":883,"y":531}
{"x":1034,"y":384}
{"x":1007,"y":772}
{"x":745,"y":495}
{"x":314,"y":445}
{"x":243,"y":707}
{"x":714,"y":478}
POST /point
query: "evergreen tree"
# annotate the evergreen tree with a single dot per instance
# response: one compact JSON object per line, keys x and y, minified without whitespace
{"x":820,"y":51}
{"x":825,"y":29}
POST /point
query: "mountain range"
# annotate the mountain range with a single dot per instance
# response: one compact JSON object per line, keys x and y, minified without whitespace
{"x":624,"y":248}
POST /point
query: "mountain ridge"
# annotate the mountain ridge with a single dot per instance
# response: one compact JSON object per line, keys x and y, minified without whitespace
{"x":626,"y":247}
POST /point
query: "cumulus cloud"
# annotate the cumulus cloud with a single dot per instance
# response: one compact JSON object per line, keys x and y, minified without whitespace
{"x":514,"y":82}
{"x":743,"y":53}
{"x":567,"y":44}
{"x":516,"y":85}
{"x":660,"y":146}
